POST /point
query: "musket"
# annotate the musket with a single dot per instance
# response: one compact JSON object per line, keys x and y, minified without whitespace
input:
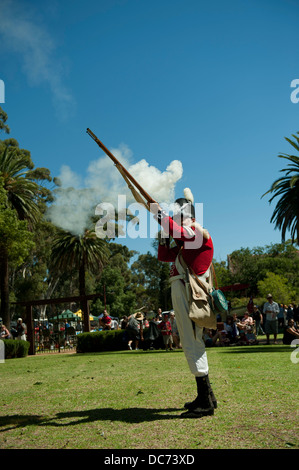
{"x":124,"y":172}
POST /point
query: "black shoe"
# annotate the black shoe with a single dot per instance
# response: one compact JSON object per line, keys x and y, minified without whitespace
{"x":198,"y":412}
{"x":202,"y":405}
{"x":212,"y":396}
{"x":193,"y":404}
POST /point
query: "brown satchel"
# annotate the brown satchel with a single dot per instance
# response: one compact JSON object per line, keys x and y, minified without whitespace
{"x":201,"y":310}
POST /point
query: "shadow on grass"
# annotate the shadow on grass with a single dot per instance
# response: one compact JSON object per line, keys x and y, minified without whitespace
{"x":275,"y":348}
{"x":72,"y":418}
{"x":126,"y":352}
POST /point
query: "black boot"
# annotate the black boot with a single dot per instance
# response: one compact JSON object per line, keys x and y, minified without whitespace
{"x":202,"y":405}
{"x":213,"y":398}
{"x":191,"y":404}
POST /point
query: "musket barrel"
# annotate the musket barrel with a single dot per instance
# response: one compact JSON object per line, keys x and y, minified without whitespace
{"x":118,"y":164}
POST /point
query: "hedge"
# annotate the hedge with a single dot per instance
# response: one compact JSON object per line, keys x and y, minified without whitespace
{"x":15,"y":348}
{"x":110,"y":340}
{"x":113,"y":340}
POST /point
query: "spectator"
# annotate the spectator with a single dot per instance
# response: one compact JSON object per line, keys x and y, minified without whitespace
{"x":271,"y":309}
{"x":258,"y":320}
{"x":247,"y":337}
{"x":153,"y":334}
{"x":105,"y":321}
{"x":114,"y":324}
{"x":280,"y":316}
{"x":231,"y":329}
{"x":296,"y":315}
{"x":145,"y":321}
{"x":4,"y":333}
{"x":285,"y":311}
{"x":165,"y":328}
{"x":157,"y":319}
{"x":21,"y":329}
{"x":290,"y":332}
{"x":78,"y":327}
{"x":135,"y":329}
{"x":290,"y":313}
{"x":175,"y":331}
{"x":246,"y":323}
{"x":250,"y":306}
{"x":211,"y":337}
{"x":124,"y":323}
{"x":159,"y":314}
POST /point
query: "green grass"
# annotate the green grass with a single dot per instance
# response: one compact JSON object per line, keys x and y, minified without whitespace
{"x":133,"y":400}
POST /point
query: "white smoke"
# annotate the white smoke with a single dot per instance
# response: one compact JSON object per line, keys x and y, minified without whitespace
{"x":77,"y":198}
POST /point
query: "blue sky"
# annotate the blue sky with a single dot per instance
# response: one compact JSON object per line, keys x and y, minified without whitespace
{"x":204,"y":83}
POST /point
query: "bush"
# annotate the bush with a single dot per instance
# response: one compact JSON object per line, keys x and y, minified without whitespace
{"x":110,"y":340}
{"x":15,"y":348}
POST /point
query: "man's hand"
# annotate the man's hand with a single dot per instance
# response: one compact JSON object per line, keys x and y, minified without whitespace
{"x":155,"y":208}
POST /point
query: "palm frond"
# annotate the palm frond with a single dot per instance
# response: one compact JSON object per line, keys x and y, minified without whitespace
{"x":286,"y":213}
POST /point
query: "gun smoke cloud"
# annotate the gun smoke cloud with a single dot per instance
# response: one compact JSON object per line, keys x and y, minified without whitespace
{"x":77,"y":197}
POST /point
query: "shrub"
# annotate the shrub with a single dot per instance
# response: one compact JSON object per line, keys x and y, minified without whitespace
{"x":16,"y":348}
{"x":110,"y":340}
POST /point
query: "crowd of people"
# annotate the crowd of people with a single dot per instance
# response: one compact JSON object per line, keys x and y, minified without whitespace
{"x":161,"y":330}
{"x":19,"y":332}
{"x":162,"y":326}
{"x":267,"y":320}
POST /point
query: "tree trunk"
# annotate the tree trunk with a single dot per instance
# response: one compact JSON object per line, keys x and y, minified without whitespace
{"x":4,"y":288}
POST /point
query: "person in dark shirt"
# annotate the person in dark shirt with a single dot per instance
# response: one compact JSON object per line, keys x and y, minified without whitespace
{"x":290,"y":332}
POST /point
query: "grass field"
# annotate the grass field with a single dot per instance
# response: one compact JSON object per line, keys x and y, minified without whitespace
{"x":133,"y":400}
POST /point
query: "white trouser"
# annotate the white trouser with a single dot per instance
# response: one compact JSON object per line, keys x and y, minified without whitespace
{"x":190,"y":334}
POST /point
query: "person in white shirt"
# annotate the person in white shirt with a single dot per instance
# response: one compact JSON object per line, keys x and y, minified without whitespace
{"x":271,"y":309}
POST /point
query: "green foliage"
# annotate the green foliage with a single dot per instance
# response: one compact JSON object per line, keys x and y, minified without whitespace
{"x":15,"y":239}
{"x":22,"y":205}
{"x":15,"y":348}
{"x":252,"y":265}
{"x":278,"y":286}
{"x":3,"y":118}
{"x":286,"y":215}
{"x":223,"y":275}
{"x":73,"y":251}
{"x":151,"y":281}
{"x":98,"y":341}
{"x":32,"y":279}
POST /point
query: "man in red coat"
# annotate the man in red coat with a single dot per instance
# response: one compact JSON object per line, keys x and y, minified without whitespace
{"x":196,"y":247}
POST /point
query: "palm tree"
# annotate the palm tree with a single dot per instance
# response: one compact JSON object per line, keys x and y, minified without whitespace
{"x":22,"y":192}
{"x":286,"y":212}
{"x":83,"y":252}
{"x":23,"y":196}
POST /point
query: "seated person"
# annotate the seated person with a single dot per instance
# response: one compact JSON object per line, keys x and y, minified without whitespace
{"x":246,"y":324}
{"x":231,"y":329}
{"x":211,"y":337}
{"x":290,"y":332}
